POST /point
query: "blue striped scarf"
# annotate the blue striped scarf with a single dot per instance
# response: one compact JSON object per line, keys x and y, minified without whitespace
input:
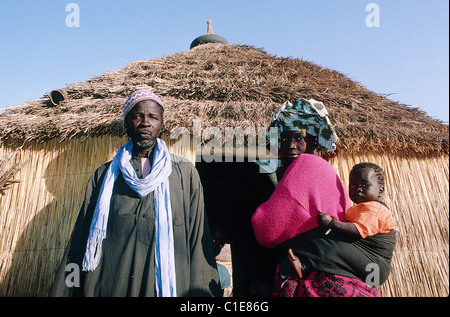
{"x":157,"y":181}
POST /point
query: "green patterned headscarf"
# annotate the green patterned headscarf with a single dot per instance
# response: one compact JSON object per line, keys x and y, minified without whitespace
{"x":310,"y":116}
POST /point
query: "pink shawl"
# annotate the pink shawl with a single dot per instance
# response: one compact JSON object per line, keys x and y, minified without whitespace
{"x":309,"y":184}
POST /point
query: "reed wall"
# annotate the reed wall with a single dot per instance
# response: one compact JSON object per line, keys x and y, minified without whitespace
{"x":37,"y":215}
{"x":417,"y":192}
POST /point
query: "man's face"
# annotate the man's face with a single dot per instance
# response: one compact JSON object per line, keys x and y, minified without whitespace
{"x":143,"y":123}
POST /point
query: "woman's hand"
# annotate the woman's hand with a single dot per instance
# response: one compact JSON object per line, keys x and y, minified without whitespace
{"x":323,"y":219}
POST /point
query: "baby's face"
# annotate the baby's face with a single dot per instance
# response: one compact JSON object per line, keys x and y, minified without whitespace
{"x":364,"y":186}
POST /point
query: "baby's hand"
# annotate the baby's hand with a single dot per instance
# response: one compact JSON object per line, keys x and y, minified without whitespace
{"x":323,"y":219}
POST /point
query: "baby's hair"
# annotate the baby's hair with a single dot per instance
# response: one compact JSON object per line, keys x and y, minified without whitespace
{"x":378,"y":171}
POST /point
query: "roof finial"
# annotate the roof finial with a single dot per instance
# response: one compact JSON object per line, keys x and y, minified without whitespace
{"x":210,"y":29}
{"x":210,"y":37}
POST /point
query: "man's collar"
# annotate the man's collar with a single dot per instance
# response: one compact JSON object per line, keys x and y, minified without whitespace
{"x":136,"y":153}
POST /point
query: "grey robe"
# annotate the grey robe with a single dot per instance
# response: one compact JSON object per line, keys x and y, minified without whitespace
{"x":127,"y":266}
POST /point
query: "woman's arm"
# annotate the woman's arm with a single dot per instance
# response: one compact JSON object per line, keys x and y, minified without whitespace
{"x":347,"y":229}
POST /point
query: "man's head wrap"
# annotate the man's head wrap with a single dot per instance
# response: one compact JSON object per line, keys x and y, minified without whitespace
{"x":139,"y":95}
{"x":310,"y":116}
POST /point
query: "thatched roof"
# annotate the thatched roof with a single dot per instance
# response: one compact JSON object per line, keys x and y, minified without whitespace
{"x":229,"y":85}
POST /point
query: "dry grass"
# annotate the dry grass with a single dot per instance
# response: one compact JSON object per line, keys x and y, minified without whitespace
{"x":7,"y":171}
{"x":417,"y":194}
{"x":229,"y":86}
{"x":224,"y":86}
{"x":37,"y":215}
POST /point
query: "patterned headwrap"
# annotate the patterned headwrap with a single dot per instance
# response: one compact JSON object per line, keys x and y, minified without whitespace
{"x":310,"y":116}
{"x":139,"y":95}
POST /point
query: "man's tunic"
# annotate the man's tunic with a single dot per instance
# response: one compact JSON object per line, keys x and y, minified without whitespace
{"x":127,"y":266}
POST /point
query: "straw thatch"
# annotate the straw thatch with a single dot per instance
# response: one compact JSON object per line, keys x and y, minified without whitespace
{"x":7,"y":172}
{"x":223,"y":86}
{"x":228,"y":86}
{"x":37,"y":215}
{"x":417,"y":192}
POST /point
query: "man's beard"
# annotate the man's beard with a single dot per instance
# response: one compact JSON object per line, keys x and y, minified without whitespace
{"x":145,"y":144}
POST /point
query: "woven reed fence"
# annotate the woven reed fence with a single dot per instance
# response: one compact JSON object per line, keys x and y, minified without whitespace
{"x":37,"y":215}
{"x":417,"y":192}
{"x":223,"y":86}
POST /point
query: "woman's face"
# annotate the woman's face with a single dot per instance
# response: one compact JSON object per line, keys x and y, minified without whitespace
{"x":294,"y":143}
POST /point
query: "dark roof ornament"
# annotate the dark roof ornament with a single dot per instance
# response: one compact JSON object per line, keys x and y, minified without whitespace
{"x":209,"y":37}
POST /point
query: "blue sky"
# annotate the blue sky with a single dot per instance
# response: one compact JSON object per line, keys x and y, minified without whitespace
{"x":405,"y":57}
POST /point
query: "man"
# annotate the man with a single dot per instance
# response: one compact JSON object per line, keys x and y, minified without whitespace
{"x":141,"y":230}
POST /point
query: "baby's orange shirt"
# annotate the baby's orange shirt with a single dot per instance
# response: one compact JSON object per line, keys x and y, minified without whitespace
{"x":371,"y":218}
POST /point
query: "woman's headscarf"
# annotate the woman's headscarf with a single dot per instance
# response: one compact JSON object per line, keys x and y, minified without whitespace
{"x":310,"y":116}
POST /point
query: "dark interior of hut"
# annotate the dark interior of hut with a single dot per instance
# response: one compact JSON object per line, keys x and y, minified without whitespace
{"x":232,"y":192}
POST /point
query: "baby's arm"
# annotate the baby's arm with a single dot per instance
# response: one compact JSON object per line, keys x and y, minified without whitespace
{"x":345,"y":228}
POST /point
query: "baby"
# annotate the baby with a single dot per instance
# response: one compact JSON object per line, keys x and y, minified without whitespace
{"x":370,"y":216}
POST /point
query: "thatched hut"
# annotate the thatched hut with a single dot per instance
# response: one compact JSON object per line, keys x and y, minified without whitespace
{"x":223,"y":86}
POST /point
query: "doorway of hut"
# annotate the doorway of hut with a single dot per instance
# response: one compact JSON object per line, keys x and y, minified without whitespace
{"x":232,"y":192}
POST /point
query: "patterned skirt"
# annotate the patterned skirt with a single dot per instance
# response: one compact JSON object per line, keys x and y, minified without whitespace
{"x":321,"y":284}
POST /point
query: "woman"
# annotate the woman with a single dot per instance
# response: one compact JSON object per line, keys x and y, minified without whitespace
{"x":304,"y":128}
